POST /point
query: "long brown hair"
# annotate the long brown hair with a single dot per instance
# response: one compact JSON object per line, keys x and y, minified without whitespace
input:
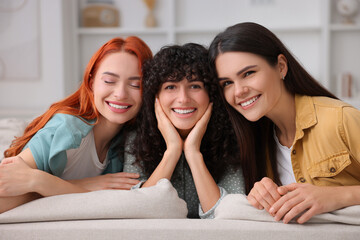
{"x":254,"y":38}
{"x":81,"y":103}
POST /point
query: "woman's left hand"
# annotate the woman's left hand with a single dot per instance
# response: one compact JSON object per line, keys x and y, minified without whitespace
{"x":15,"y":177}
{"x":193,"y":140}
{"x":305,"y":199}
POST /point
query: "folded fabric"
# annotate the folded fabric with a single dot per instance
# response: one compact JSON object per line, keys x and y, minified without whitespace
{"x":159,"y":201}
{"x":9,"y":128}
{"x":236,"y":206}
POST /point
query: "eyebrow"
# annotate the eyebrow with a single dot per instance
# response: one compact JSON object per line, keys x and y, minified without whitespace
{"x":117,"y":76}
{"x":239,"y":72}
{"x":111,"y":74}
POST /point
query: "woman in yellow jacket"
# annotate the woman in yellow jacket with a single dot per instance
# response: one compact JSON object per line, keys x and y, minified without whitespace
{"x":306,"y":142}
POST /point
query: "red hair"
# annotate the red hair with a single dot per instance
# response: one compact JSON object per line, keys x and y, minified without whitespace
{"x":81,"y":103}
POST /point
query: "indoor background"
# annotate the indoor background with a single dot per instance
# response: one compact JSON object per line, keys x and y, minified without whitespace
{"x":45,"y":44}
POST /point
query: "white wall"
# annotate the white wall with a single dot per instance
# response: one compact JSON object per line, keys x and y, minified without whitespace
{"x":64,"y":49}
{"x":28,"y":97}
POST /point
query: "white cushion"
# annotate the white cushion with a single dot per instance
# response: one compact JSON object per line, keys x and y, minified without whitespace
{"x":236,"y":206}
{"x":159,"y":201}
{"x":9,"y":129}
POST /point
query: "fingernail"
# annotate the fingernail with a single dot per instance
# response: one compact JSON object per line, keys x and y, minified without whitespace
{"x":271,"y":210}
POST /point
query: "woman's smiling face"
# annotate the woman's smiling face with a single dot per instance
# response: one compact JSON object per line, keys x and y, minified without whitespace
{"x":250,"y":84}
{"x":116,"y":88}
{"x":184,"y":103}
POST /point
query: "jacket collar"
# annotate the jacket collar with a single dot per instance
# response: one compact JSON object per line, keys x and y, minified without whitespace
{"x":305,"y":114}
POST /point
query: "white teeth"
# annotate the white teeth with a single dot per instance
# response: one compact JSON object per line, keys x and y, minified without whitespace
{"x":244,"y":104}
{"x":183,"y":111}
{"x":118,"y":106}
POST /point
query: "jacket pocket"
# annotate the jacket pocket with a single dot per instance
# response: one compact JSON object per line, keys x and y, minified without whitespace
{"x":330,"y":166}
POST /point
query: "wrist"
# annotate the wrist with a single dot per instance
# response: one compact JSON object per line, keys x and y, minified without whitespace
{"x":173,"y":153}
{"x":35,"y":180}
{"x":194,"y":159}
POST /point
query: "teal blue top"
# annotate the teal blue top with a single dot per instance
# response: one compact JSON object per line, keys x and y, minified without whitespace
{"x":63,"y":132}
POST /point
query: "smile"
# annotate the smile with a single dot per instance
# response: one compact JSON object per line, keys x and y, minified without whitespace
{"x":119,"y":106}
{"x":250,"y":101}
{"x":184,"y":111}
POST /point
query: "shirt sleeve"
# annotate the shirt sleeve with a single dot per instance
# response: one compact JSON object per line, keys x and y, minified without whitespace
{"x":351,"y":130}
{"x":129,"y":160}
{"x":48,"y":146}
{"x":231,"y":182}
{"x":210,"y":214}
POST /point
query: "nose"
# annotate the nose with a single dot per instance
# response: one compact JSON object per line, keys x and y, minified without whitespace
{"x":120,"y":91}
{"x":240,"y":89}
{"x":183,"y":95}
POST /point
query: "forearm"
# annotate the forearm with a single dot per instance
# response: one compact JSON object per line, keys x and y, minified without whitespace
{"x":49,"y":185}
{"x":348,"y":195}
{"x":207,"y":190}
{"x":165,"y":169}
{"x":7,"y":203}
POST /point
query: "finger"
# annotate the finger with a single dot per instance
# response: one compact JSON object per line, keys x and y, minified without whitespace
{"x":125,"y":181}
{"x":125,"y":175}
{"x":282,"y":190}
{"x":121,"y":186}
{"x":254,"y":202}
{"x":286,"y":206}
{"x":306,"y":216}
{"x":261,"y":195}
{"x":290,"y":187}
{"x":295,"y":211}
{"x":7,"y":160}
{"x":271,"y":188}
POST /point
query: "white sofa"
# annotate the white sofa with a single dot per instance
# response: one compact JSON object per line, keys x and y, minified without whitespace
{"x":155,"y":213}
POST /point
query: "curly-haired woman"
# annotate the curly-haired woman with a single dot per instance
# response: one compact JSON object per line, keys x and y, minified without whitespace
{"x":183,"y":133}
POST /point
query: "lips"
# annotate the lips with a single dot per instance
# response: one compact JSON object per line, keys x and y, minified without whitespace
{"x":119,"y":107}
{"x":184,"y":111}
{"x":248,"y":102}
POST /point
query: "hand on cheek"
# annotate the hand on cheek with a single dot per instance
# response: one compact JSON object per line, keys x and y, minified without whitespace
{"x":193,"y":140}
{"x":167,"y":129}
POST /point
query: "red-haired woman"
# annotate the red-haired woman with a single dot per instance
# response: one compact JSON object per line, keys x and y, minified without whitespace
{"x":72,"y":145}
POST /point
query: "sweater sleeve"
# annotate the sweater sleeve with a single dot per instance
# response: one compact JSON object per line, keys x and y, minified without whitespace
{"x":231,"y":182}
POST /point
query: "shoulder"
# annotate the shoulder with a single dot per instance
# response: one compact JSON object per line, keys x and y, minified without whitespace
{"x":70,"y":121}
{"x":329,"y":102}
{"x":63,"y":128}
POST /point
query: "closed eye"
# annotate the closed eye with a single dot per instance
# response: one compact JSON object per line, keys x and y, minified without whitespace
{"x":109,"y":81}
{"x":135,"y":84}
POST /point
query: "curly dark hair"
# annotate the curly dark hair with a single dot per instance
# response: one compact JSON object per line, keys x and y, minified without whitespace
{"x":174,"y":63}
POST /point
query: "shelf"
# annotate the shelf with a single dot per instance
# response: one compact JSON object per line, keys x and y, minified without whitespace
{"x":296,"y":29}
{"x":343,"y":27}
{"x":96,"y":31}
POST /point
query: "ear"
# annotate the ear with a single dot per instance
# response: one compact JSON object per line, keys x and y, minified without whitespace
{"x":91,"y":81}
{"x":282,"y":64}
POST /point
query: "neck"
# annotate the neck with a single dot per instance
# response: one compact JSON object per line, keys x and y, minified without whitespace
{"x":104,"y":132}
{"x":284,"y":117}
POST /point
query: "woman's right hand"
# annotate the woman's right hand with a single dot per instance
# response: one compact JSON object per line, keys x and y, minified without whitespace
{"x":120,"y":180}
{"x":16,"y":177}
{"x":170,"y":134}
{"x":264,"y":194}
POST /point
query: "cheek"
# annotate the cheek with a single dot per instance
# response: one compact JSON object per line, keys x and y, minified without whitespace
{"x":228,"y":94}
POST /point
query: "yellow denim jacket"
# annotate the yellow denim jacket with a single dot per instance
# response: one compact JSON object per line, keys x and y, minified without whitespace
{"x":326,"y":149}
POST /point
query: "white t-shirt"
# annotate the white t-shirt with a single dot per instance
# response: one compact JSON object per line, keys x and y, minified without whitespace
{"x":83,"y":161}
{"x":284,"y":166}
